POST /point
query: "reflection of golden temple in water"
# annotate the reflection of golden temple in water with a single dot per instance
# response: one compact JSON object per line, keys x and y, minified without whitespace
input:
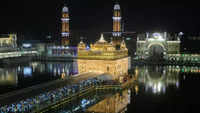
{"x":8,"y":77}
{"x":103,"y":57}
{"x":115,"y":104}
{"x":157,"y":78}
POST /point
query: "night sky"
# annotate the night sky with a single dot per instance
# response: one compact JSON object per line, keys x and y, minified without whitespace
{"x":37,"y":18}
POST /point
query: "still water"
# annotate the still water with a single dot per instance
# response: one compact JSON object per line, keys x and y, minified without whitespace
{"x":165,"y":89}
{"x":157,"y":90}
{"x":33,"y":73}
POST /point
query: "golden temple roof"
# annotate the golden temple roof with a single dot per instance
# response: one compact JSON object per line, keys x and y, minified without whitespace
{"x":102,"y":50}
{"x":102,"y":40}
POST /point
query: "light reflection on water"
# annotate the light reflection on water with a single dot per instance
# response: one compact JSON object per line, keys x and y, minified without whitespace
{"x":155,"y":80}
{"x":8,"y":77}
{"x":101,"y":102}
{"x":113,"y":104}
{"x":26,"y":75}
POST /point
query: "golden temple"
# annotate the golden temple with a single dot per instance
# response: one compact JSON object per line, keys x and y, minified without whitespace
{"x":102,"y":50}
{"x":103,"y":57}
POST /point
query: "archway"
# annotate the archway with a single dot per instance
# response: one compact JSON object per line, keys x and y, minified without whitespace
{"x":156,"y":51}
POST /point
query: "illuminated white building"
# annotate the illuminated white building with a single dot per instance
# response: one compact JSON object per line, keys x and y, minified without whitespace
{"x":157,"y":43}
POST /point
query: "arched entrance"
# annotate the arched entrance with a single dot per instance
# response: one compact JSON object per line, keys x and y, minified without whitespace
{"x":156,"y":51}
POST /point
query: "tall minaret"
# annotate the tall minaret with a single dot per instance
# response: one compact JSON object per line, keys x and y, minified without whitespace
{"x":117,"y":27}
{"x":65,"y":27}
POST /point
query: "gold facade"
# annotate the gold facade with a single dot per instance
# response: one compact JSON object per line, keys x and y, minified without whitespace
{"x":102,"y":50}
{"x":116,"y":26}
{"x":117,"y":13}
{"x":103,"y":57}
{"x":115,"y":104}
{"x":65,"y":27}
{"x":115,"y":68}
{"x":117,"y":23}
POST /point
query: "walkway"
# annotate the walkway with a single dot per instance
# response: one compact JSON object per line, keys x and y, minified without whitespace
{"x":14,"y":54}
{"x":98,"y":87}
{"x":71,"y":88}
{"x":37,"y":89}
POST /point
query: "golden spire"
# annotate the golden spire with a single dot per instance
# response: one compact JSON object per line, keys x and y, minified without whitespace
{"x":123,"y":45}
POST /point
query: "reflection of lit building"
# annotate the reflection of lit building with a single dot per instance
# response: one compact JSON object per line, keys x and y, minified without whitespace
{"x":8,"y":77}
{"x":115,"y":104}
{"x":26,"y":71}
{"x":103,"y":57}
{"x":157,"y":79}
{"x":65,"y":27}
{"x":69,"y":68}
{"x":8,"y":41}
{"x":55,"y":68}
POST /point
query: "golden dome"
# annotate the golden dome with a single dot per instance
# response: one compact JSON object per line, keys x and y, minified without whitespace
{"x":81,"y":45}
{"x":123,"y":45}
{"x":102,"y":40}
{"x":102,"y":45}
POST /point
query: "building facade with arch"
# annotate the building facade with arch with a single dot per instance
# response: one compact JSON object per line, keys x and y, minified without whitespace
{"x":157,"y":43}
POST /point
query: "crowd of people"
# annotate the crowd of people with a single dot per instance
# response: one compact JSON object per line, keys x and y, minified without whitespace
{"x":47,"y":98}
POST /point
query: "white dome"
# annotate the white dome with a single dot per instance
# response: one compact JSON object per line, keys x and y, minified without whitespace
{"x":117,"y":7}
{"x":65,"y":9}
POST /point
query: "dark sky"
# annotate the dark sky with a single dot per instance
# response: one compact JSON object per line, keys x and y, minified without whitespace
{"x":90,"y":17}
